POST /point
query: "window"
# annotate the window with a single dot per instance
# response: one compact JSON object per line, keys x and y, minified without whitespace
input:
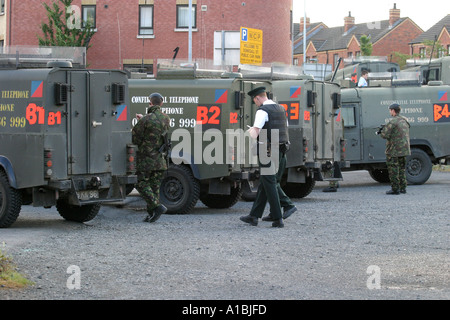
{"x":348,"y":115}
{"x":422,"y":52}
{"x":434,"y":75}
{"x":2,"y":4}
{"x":227,"y":48}
{"x":145,"y":20}
{"x":183,"y":16}
{"x":89,"y":16}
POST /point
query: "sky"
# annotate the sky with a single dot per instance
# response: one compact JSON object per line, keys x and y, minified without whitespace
{"x":332,"y":12}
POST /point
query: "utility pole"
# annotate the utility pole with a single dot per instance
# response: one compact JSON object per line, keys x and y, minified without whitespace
{"x":304,"y":33}
{"x":190,"y":31}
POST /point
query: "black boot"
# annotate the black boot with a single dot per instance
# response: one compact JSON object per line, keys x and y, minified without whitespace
{"x":278,"y":224}
{"x":158,"y":211}
{"x":392,"y":192}
{"x":287,"y":213}
{"x":250,"y":220}
{"x":268,"y":218}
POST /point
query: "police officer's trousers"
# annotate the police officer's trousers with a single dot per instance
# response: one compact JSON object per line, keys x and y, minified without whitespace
{"x":269,"y":190}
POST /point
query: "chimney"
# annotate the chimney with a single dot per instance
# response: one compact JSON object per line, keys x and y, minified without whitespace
{"x":349,"y":22}
{"x":394,"y":15}
{"x":308,"y":23}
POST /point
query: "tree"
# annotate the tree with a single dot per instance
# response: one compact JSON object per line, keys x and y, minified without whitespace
{"x":64,"y":28}
{"x":366,"y":45}
{"x":436,"y":47}
{"x":400,"y":58}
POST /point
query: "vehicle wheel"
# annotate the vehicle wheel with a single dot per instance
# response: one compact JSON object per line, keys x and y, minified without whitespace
{"x":418,"y":167}
{"x":77,"y":213}
{"x":380,"y":175}
{"x":248,"y":195}
{"x":222,"y":201}
{"x":10,"y":202}
{"x":179,"y":190}
{"x":299,"y":190}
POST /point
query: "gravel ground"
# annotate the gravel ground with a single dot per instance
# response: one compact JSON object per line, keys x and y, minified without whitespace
{"x":328,"y":250}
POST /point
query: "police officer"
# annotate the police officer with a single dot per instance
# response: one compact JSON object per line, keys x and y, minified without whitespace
{"x":150,"y":135}
{"x":269,"y":119}
{"x":396,"y":132}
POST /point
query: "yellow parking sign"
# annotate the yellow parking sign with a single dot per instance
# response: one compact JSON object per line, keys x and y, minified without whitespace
{"x":251,"y":46}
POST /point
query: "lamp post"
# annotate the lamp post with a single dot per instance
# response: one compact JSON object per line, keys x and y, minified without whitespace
{"x":304,"y":33}
{"x":190,"y":32}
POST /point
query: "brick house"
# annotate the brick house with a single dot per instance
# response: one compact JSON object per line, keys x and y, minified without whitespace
{"x":441,"y":32}
{"x":326,"y":45}
{"x":136,"y":33}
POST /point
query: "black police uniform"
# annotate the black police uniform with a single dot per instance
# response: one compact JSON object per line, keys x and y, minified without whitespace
{"x":268,"y":187}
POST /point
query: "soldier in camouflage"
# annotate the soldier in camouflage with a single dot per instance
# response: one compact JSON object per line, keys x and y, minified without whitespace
{"x":396,"y":132}
{"x":150,"y":135}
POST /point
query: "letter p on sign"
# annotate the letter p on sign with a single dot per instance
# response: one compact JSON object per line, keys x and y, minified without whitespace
{"x":244,"y":34}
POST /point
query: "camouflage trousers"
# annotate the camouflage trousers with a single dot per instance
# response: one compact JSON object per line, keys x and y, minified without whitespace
{"x":148,"y":187}
{"x":397,"y":172}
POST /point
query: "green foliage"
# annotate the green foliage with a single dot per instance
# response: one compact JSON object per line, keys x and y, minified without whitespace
{"x":438,"y":49}
{"x":400,"y":59}
{"x":366,"y":45}
{"x":61,"y":28}
{"x":9,"y":277}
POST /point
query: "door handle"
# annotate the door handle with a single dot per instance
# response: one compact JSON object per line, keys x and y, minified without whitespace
{"x":95,"y":124}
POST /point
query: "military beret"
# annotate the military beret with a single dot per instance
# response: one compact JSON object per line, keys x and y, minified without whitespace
{"x":156,"y":94}
{"x":394,"y":106}
{"x":253,"y":93}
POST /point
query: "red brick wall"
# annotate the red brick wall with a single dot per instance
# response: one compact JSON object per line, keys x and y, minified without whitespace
{"x":117,"y":28}
{"x":397,"y":40}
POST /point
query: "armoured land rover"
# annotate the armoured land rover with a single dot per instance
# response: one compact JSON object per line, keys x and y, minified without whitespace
{"x":425,"y":106}
{"x":315,"y":126}
{"x":431,"y":70}
{"x":208,"y":106}
{"x":348,"y":77}
{"x":65,"y":134}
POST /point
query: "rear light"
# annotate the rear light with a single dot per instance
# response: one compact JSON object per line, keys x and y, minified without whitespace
{"x":305,"y":149}
{"x":343,"y":142}
{"x":131,"y":159}
{"x":48,"y":163}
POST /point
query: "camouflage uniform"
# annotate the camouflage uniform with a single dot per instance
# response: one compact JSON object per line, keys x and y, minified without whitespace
{"x":150,"y":162}
{"x":396,"y":132}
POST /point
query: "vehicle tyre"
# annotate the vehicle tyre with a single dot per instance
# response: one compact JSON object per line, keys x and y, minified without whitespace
{"x":77,"y":213}
{"x":418,"y":167}
{"x":299,"y":190}
{"x":380,"y":175}
{"x":10,"y":202}
{"x":248,"y":195}
{"x":179,"y":190}
{"x":222,"y":201}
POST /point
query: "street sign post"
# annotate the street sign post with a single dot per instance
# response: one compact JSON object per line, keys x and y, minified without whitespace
{"x":251,"y":46}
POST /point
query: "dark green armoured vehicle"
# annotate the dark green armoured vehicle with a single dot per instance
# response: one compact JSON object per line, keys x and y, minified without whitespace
{"x":425,"y":106}
{"x":65,"y":137}
{"x":211,"y":157}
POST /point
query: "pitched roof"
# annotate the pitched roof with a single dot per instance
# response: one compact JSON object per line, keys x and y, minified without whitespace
{"x":298,"y":32}
{"x":335,"y":38}
{"x":434,"y":30}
